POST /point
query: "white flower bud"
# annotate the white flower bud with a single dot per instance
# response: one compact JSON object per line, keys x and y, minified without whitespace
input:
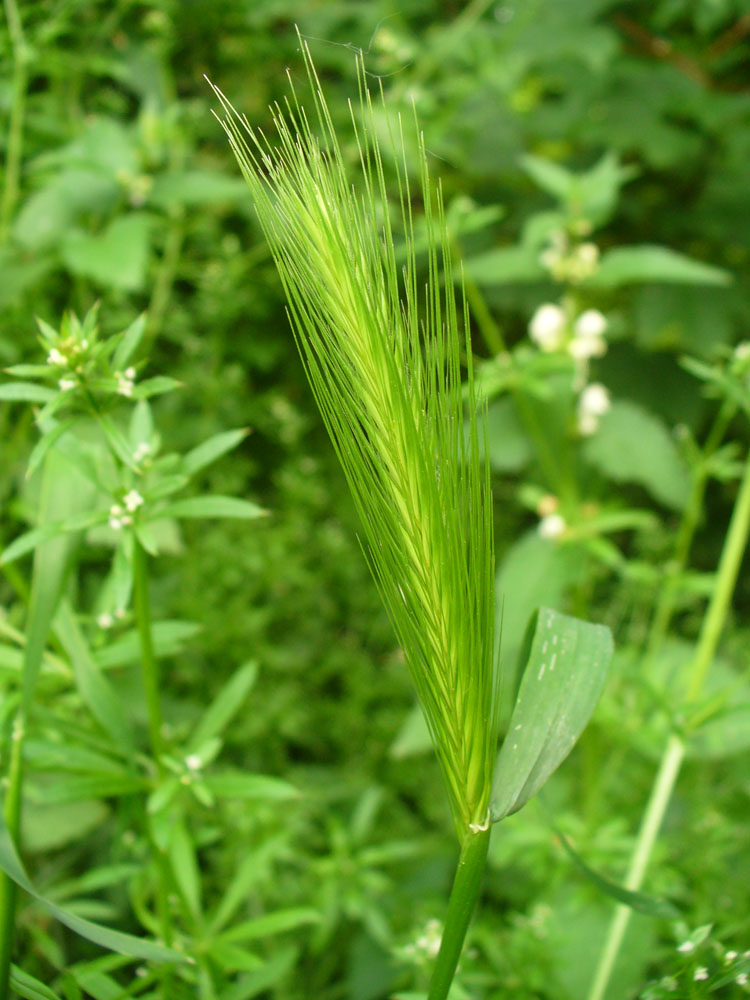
{"x":547,"y":327}
{"x":66,"y":383}
{"x":132,"y":500}
{"x":56,"y":358}
{"x":590,"y":323}
{"x":552,"y":526}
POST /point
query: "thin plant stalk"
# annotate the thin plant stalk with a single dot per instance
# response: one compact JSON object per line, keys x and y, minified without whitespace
{"x":674,"y":753}
{"x":463,"y":898}
{"x":14,"y":148}
{"x":12,"y":817}
{"x":149,"y":666}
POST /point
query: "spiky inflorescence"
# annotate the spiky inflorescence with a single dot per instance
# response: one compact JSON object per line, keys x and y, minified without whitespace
{"x":384,"y":364}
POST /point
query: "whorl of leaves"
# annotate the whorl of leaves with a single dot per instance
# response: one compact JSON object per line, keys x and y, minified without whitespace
{"x":383,"y":358}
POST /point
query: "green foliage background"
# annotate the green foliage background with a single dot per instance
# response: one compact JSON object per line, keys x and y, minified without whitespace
{"x":128,"y":193}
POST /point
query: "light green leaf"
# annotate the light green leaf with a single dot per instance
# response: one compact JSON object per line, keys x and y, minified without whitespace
{"x":94,"y":688}
{"x":225,"y":705}
{"x":255,"y":983}
{"x":43,"y":445}
{"x":185,"y":867}
{"x":155,"y":386}
{"x":648,"y":263}
{"x":129,"y":341}
{"x":196,"y":187}
{"x":116,"y":258}
{"x":564,"y":677}
{"x":124,"y":944}
{"x":238,"y":785}
{"x":272,"y":923}
{"x":28,"y":987}
{"x":505,"y":265}
{"x":26,"y":392}
{"x":213,"y":506}
{"x":169,"y":637}
{"x":633,"y":445}
{"x":198,"y":458}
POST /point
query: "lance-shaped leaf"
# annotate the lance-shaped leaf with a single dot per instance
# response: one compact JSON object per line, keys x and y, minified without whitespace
{"x":562,"y":682}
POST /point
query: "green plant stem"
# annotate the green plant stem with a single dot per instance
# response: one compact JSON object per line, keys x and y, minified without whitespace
{"x":674,"y":753}
{"x":12,"y":817}
{"x":14,"y":148}
{"x":149,"y":666}
{"x":460,"y":908}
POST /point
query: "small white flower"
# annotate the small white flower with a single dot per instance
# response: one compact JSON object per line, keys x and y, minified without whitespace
{"x":126,"y":520}
{"x":105,"y":620}
{"x":583,"y":348}
{"x":132,"y":500}
{"x":125,"y":382}
{"x":730,"y":956}
{"x":686,"y":947}
{"x":193,"y":762}
{"x":552,"y":526}
{"x":56,"y":358}
{"x":547,"y":327}
{"x":67,"y":383}
{"x":595,"y":399}
{"x":115,"y":523}
{"x":84,"y":344}
{"x":588,"y":254}
{"x":115,"y":510}
{"x":700,"y":974}
{"x":142,"y":451}
{"x":741,"y":980}
{"x":741,"y":351}
{"x":590,"y":323}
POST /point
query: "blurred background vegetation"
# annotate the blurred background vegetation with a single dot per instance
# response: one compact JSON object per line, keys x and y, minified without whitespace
{"x":119,"y":186}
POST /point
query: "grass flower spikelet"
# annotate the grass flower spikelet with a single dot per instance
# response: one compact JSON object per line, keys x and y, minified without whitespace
{"x":383,"y":361}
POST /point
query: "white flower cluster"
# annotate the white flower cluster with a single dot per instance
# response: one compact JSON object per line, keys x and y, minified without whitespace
{"x":593,"y":403}
{"x":552,"y":525}
{"x":67,"y":355}
{"x":120,"y":516}
{"x":568,"y":263}
{"x":427,"y":945}
{"x":552,"y":329}
{"x":125,"y":382}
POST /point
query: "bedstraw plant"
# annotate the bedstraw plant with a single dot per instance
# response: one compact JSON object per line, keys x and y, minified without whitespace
{"x":382,"y":332}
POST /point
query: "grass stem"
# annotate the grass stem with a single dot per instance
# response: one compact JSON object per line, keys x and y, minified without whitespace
{"x":14,"y":148}
{"x":674,"y":752}
{"x":466,"y":885}
{"x":12,"y":817}
{"x":149,"y":666}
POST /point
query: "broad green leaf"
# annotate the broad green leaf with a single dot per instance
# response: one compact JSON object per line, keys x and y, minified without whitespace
{"x":55,"y":530}
{"x":632,"y":445}
{"x":724,"y":735}
{"x":28,"y":987}
{"x":116,"y":257}
{"x":509,"y":446}
{"x":233,"y":958}
{"x":64,"y":492}
{"x":271,"y":923}
{"x":155,"y":386}
{"x":647,"y":263}
{"x":213,"y":506}
{"x":184,"y":864}
{"x":47,"y":828}
{"x":551,"y":177}
{"x":76,"y":788}
{"x":94,"y":688}
{"x":196,"y":187}
{"x":237,"y":785}
{"x":124,"y":944}
{"x":506,"y":265}
{"x":44,"y":444}
{"x":640,"y":901}
{"x":255,"y":983}
{"x":225,"y":705}
{"x":209,"y":451}
{"x":130,"y":339}
{"x":169,"y":637}
{"x":564,"y":677}
{"x":27,"y":392}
